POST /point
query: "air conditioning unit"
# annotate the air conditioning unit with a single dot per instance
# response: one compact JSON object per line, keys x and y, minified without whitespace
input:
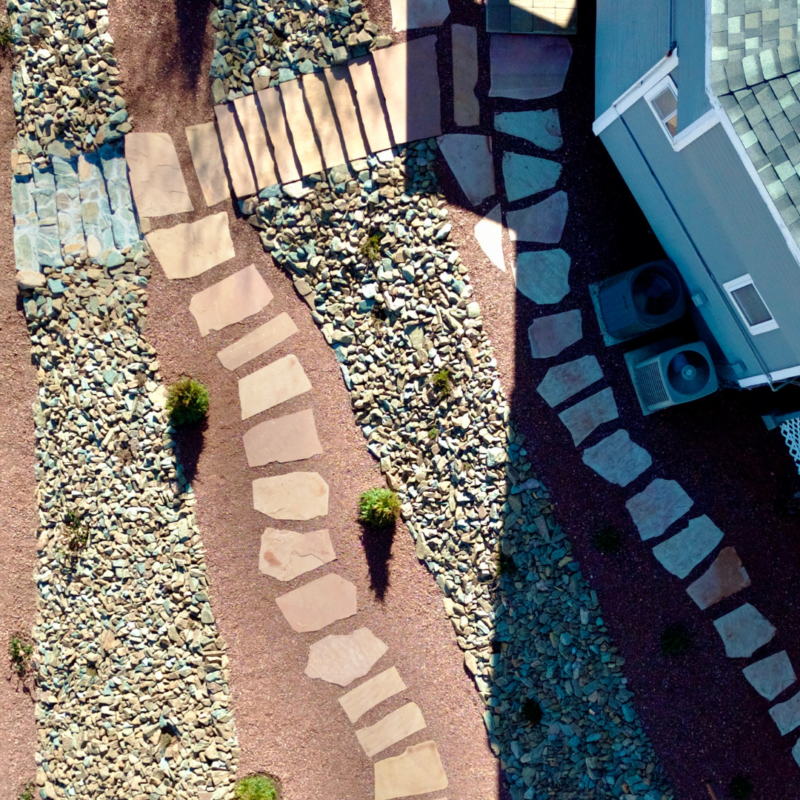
{"x":641,"y":300}
{"x":675,"y":376}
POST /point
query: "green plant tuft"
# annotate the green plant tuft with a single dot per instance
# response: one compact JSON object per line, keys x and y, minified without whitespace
{"x":506,"y":565}
{"x":532,"y":711}
{"x":256,"y":787}
{"x":76,"y":533}
{"x":20,"y":651}
{"x":379,"y":508}
{"x":371,"y":246}
{"x":442,"y":382}
{"x":433,"y":433}
{"x":608,"y":540}
{"x":675,"y":639}
{"x":187,"y":402}
{"x":6,"y":37}
{"x":27,"y":792}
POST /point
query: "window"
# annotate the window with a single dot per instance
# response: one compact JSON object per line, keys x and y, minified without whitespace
{"x":750,"y":305}
{"x":663,"y":100}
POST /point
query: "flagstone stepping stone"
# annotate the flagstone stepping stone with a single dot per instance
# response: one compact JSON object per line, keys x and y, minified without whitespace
{"x":770,"y":676}
{"x":235,"y":149}
{"x":257,"y":342}
{"x":295,"y":495}
{"x":207,"y":160}
{"x":282,"y":150}
{"x":548,"y":336}
{"x":371,"y":693}
{"x":527,"y":175}
{"x":305,"y":147}
{"x":409,"y":81}
{"x":412,"y":14}
{"x":369,"y":104}
{"x":565,"y":380}
{"x":337,"y":80}
{"x":192,"y":248}
{"x":286,"y":554}
{"x":489,"y":235}
{"x":617,"y":459}
{"x":289,"y":438}
{"x":248,"y":113}
{"x":155,"y":175}
{"x":584,"y":417}
{"x":787,"y":714}
{"x":681,"y":553}
{"x":318,"y":604}
{"x":743,"y":631}
{"x":542,"y":128}
{"x":325,"y":123}
{"x":724,"y":577}
{"x":469,"y":157}
{"x":231,"y":300}
{"x":657,"y":507}
{"x":543,"y":222}
{"x":393,"y":728}
{"x":465,"y":75}
{"x":527,"y":67}
{"x":271,"y":385}
{"x":418,"y":770}
{"x":343,"y":659}
{"x":543,"y":276}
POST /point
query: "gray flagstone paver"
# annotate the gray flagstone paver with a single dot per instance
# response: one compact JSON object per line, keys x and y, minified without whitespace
{"x":286,"y":554}
{"x":771,"y":675}
{"x":318,"y":604}
{"x":527,"y":175}
{"x":343,"y":659}
{"x":257,"y":342}
{"x":369,"y":104}
{"x":527,"y":67}
{"x":418,"y":770}
{"x":393,"y":728}
{"x":489,"y":235}
{"x":657,"y":507}
{"x":271,"y":385}
{"x":548,"y":336}
{"x":155,"y":175}
{"x":305,"y":146}
{"x":207,"y":160}
{"x":289,"y":438}
{"x":743,"y":631}
{"x":542,"y":222}
{"x":294,"y":495}
{"x":543,"y":275}
{"x":565,"y":380}
{"x":542,"y":128}
{"x":587,"y":415}
{"x":68,"y":205}
{"x":469,"y":157}
{"x":465,"y":75}
{"x":325,"y":124}
{"x":248,"y":113}
{"x":724,"y":577}
{"x":786,"y":715}
{"x":617,"y":459}
{"x":235,"y":149}
{"x":681,"y":553}
{"x":413,"y":14}
{"x":282,"y":150}
{"x":372,"y":692}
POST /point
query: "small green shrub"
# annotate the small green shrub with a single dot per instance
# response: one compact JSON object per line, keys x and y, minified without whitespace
{"x":532,"y":711}
{"x":371,"y":247}
{"x":20,"y":651}
{"x":256,"y":787}
{"x":6,"y":37}
{"x":379,"y":508}
{"x":187,"y":402}
{"x":608,"y":540}
{"x":675,"y":639}
{"x":506,"y":565}
{"x":442,"y":382}
{"x":27,"y":792}
{"x":741,"y":788}
{"x":77,"y":534}
{"x":433,"y":433}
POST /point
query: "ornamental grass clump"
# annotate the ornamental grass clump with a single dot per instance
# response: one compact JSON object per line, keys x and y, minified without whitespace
{"x":675,"y":639}
{"x":741,"y":788}
{"x":256,"y":787}
{"x":607,"y":541}
{"x":20,"y":652}
{"x":187,"y":402}
{"x":379,"y":508}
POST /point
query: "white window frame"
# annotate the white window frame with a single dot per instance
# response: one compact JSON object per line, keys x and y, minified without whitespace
{"x":665,"y":82}
{"x":731,"y":286}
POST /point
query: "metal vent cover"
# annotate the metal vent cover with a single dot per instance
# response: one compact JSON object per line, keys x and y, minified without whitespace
{"x":651,"y":387}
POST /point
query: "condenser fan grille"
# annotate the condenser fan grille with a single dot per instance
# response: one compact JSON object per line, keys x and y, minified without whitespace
{"x":688,"y":372}
{"x":655,"y":291}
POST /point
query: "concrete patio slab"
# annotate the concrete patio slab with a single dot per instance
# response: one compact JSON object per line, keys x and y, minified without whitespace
{"x":393,"y":728}
{"x":282,"y":151}
{"x":565,"y":380}
{"x":681,"y":553}
{"x":543,"y":275}
{"x":724,"y":577}
{"x":207,"y":160}
{"x":286,"y":554}
{"x":255,"y":134}
{"x":528,"y":67}
{"x":418,"y":770}
{"x":469,"y":157}
{"x":770,"y":676}
{"x":337,"y":80}
{"x":528,"y":175}
{"x":257,"y":342}
{"x":548,"y":336}
{"x":657,"y":507}
{"x":272,"y":385}
{"x":192,"y":248}
{"x":299,"y":124}
{"x":587,"y":415}
{"x":343,"y":659}
{"x":489,"y":235}
{"x":318,"y":604}
{"x":465,"y":75}
{"x":543,"y":222}
{"x":369,"y":105}
{"x":542,"y":128}
{"x":413,"y":14}
{"x":786,"y":715}
{"x":744,"y":631}
{"x":235,"y":149}
{"x":617,"y":459}
{"x":155,"y":175}
{"x":371,"y":693}
{"x":325,"y":123}
{"x":290,"y":438}
{"x":295,"y":495}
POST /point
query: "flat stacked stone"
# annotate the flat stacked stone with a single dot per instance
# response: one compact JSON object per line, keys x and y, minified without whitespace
{"x":26,"y":225}
{"x":123,"y":219}
{"x":68,"y":204}
{"x":44,"y":195}
{"x":95,"y":209}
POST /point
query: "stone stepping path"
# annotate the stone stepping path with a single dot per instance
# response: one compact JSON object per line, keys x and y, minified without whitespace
{"x":258,"y":342}
{"x":565,"y":380}
{"x":681,"y":553}
{"x":787,"y":714}
{"x":489,"y":235}
{"x":272,"y":385}
{"x":617,"y":459}
{"x":466,"y":108}
{"x":417,"y":771}
{"x":770,"y":676}
{"x":343,"y":659}
{"x":230,"y":301}
{"x":542,"y":128}
{"x":744,"y":631}
{"x":543,"y":276}
{"x":528,"y":175}
{"x":657,"y":507}
{"x":527,"y":67}
{"x":156,"y":178}
{"x":469,"y":157}
{"x":285,"y":554}
{"x":589,"y":414}
{"x":413,"y":14}
{"x":290,"y":438}
{"x":318,"y":604}
{"x":393,"y":728}
{"x":543,"y":222}
{"x":724,"y":577}
{"x":548,"y":336}
{"x":295,"y":495}
{"x":207,"y":160}
{"x":371,"y":693}
{"x":235,"y":151}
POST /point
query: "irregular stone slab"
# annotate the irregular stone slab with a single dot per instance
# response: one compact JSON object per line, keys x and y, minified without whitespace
{"x":528,"y":67}
{"x":282,"y":150}
{"x":192,"y":248}
{"x":231,"y":300}
{"x":543,"y":222}
{"x":271,"y":385}
{"x":369,"y":694}
{"x":248,"y":113}
{"x":155,"y":174}
{"x":417,"y":771}
{"x":543,"y":276}
{"x":724,"y":577}
{"x":543,"y":128}
{"x":289,"y":438}
{"x":617,"y":459}
{"x":368,"y":101}
{"x":489,"y":235}
{"x":657,"y":507}
{"x":318,"y":604}
{"x":337,"y":80}
{"x":342,"y":659}
{"x":470,"y":159}
{"x":565,"y":380}
{"x":770,"y":676}
{"x":286,"y":554}
{"x":582,"y":418}
{"x":26,"y":225}
{"x":527,"y":175}
{"x":393,"y":728}
{"x":235,"y":149}
{"x":548,"y":336}
{"x":29,"y":279}
{"x":786,"y":715}
{"x":207,"y":160}
{"x":96,"y":215}
{"x":681,"y":553}
{"x":465,"y":75}
{"x":258,"y":341}
{"x":412,"y":14}
{"x":124,"y":225}
{"x":305,"y":147}
{"x":409,"y":81}
{"x":296,"y":495}
{"x":743,"y":631}
{"x":44,"y":195}
{"x":324,"y":121}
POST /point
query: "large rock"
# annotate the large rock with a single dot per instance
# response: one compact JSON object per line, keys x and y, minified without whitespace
{"x":770,"y":676}
{"x":587,"y":415}
{"x":469,"y":157}
{"x":724,"y":577}
{"x":342,"y":659}
{"x":542,"y":222}
{"x":286,"y":554}
{"x":681,"y":553}
{"x":565,"y":380}
{"x":527,"y":175}
{"x":548,"y":336}
{"x":528,"y":67}
{"x":542,"y":128}
{"x":617,"y":459}
{"x":744,"y":631}
{"x":543,"y":275}
{"x":318,"y":604}
{"x":657,"y":507}
{"x":295,"y":495}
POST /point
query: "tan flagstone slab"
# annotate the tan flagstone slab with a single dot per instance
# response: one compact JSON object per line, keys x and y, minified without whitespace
{"x":257,"y":342}
{"x":337,"y":80}
{"x":771,"y":675}
{"x":465,"y":75}
{"x":192,"y":248}
{"x":207,"y":160}
{"x":369,"y":104}
{"x":299,"y":124}
{"x":371,"y":693}
{"x":271,"y":385}
{"x":418,"y":770}
{"x":286,"y":554}
{"x":724,"y":577}
{"x":231,"y":300}
{"x":409,"y":80}
{"x":469,"y":157}
{"x":249,"y":115}
{"x":155,"y":174}
{"x":235,"y":150}
{"x":324,"y":120}
{"x":270,"y":102}
{"x":393,"y":728}
{"x":587,"y":415}
{"x":296,"y":495}
{"x":413,"y":14}
{"x":681,"y":553}
{"x":318,"y":604}
{"x":656,"y":507}
{"x":342,"y":659}
{"x":290,"y":438}
{"x":489,"y":235}
{"x":744,"y":630}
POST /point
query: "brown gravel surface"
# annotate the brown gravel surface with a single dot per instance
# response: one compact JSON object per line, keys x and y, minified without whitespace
{"x":288,"y":724}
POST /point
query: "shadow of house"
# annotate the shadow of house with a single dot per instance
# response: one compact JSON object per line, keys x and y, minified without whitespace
{"x":192,"y":17}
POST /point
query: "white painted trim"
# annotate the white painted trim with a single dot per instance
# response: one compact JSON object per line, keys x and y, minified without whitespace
{"x":695,"y":130}
{"x":746,"y":280}
{"x":760,"y":380}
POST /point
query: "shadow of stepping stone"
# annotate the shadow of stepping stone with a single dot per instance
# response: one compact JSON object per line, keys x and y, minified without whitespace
{"x":417,"y":771}
{"x":295,"y":495}
{"x":786,"y":715}
{"x":617,"y":459}
{"x":548,"y":336}
{"x":770,"y":676}
{"x":543,"y":276}
{"x":657,"y":507}
{"x":257,"y":342}
{"x":565,"y":380}
{"x":286,"y":554}
{"x":290,"y":438}
{"x":527,"y":175}
{"x":743,"y":631}
{"x":681,"y":553}
{"x":489,"y":235}
{"x":582,"y":418}
{"x":527,"y":67}
{"x":542,"y":128}
{"x":272,"y":385}
{"x":393,"y":728}
{"x":469,"y":157}
{"x":543,"y":222}
{"x":369,"y":694}
{"x":724,"y":577}
{"x":318,"y":604}
{"x":342,"y":659}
